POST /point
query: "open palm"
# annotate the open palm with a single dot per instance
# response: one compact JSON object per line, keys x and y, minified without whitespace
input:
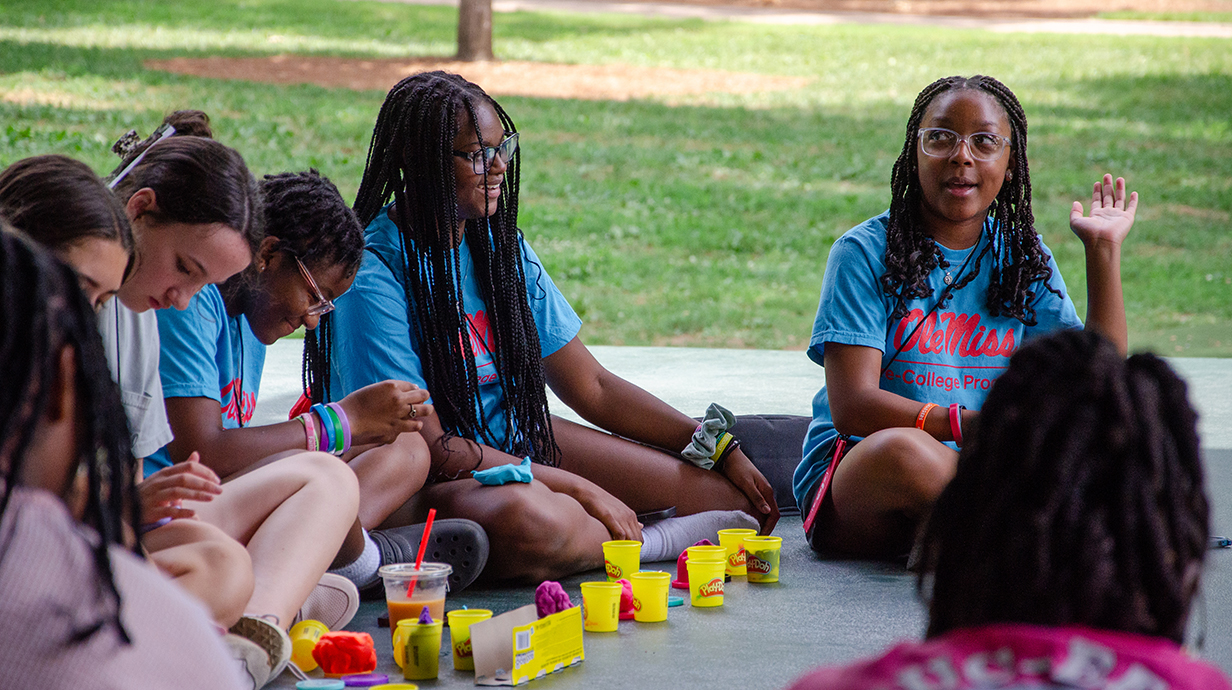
{"x":1112,"y":214}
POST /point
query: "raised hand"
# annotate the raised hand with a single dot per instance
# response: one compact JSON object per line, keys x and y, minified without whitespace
{"x":163,"y":493}
{"x":1112,"y":214}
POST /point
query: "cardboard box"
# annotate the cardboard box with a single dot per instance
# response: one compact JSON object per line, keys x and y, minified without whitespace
{"x":516,"y":647}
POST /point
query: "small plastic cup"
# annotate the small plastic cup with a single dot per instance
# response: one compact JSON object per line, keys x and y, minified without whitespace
{"x":707,"y":553}
{"x":417,"y":648}
{"x":621,"y":558}
{"x":431,"y":582}
{"x":601,"y":606}
{"x":762,"y":558}
{"x":733,"y":541}
{"x":649,"y":596}
{"x":304,"y":636}
{"x":460,"y":636}
{"x":706,"y":582}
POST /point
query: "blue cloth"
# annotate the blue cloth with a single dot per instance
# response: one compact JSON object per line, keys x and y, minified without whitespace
{"x":202,"y":351}
{"x":372,"y":338}
{"x":503,"y":474}
{"x":954,"y":357}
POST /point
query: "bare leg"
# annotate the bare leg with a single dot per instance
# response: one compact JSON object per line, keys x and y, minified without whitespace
{"x":644,"y":478}
{"x":388,"y":476}
{"x":882,"y":490}
{"x":211,"y":566}
{"x":292,"y":515}
{"x":535,"y":533}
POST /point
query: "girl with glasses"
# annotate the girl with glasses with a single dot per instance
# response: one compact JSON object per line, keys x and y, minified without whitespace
{"x":1068,"y":549}
{"x":452,"y":298}
{"x":922,"y":307}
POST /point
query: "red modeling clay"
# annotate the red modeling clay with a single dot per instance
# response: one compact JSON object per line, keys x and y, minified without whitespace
{"x":551,"y":598}
{"x":626,"y":600}
{"x":344,"y":653}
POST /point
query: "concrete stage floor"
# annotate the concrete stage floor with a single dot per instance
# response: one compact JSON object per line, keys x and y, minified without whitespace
{"x":823,"y":611}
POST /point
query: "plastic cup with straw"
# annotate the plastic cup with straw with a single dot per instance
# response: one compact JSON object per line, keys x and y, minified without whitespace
{"x":411,"y":586}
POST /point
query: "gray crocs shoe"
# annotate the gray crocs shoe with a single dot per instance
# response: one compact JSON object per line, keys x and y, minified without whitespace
{"x":461,"y":543}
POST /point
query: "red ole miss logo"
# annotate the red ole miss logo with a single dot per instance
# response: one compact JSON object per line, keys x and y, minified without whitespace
{"x":463,"y":649}
{"x":613,"y":570}
{"x":757,"y":565}
{"x":714,"y":588}
{"x":736,"y":559}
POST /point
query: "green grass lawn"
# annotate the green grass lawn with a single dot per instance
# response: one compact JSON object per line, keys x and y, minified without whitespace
{"x":701,"y":220}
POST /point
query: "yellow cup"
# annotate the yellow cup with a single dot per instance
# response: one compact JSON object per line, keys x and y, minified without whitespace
{"x":706,"y":582}
{"x":304,"y":636}
{"x":621,"y":558}
{"x":460,"y":635}
{"x":417,"y":648}
{"x":601,"y":606}
{"x":650,"y":596}
{"x":762,"y":558}
{"x":733,"y":541}
{"x":707,"y":553}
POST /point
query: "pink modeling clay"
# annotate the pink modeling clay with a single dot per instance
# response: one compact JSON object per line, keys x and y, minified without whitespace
{"x":551,"y":598}
{"x":626,"y":600}
{"x":425,"y":617}
{"x":682,"y":570}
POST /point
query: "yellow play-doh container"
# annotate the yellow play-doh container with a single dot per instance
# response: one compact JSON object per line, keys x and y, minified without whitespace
{"x":621,"y":558}
{"x":417,"y":648}
{"x":460,"y":635}
{"x":762,"y":558}
{"x":304,"y":636}
{"x":601,"y":606}
{"x":707,"y":553}
{"x":650,"y":596}
{"x":733,"y":541}
{"x":706,"y":582}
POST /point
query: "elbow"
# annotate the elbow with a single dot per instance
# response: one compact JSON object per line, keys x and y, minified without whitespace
{"x":846,"y":420}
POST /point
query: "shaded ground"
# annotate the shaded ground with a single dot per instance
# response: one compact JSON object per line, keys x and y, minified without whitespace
{"x":507,"y":78}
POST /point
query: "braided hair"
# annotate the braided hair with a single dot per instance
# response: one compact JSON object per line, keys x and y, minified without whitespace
{"x":1078,"y":501}
{"x":911,"y":254}
{"x":42,"y":313}
{"x":410,"y":161}
{"x":308,"y":216}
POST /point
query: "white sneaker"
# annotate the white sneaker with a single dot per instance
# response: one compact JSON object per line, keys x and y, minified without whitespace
{"x":271,"y":638}
{"x":333,"y":602}
{"x":251,"y":660}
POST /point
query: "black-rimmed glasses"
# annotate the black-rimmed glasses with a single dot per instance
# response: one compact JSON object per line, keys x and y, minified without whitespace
{"x":481,"y":160}
{"x":940,"y":142}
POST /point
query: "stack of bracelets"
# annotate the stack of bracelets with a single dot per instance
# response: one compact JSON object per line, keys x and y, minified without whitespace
{"x":723,"y":447}
{"x":335,"y":436}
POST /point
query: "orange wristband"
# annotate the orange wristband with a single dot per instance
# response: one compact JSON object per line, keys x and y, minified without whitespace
{"x":919,"y":419}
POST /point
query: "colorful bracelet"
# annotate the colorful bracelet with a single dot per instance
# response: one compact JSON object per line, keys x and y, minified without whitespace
{"x":956,"y":423}
{"x":720,"y":445}
{"x":346,"y":426}
{"x":731,"y":448}
{"x":919,"y":419}
{"x":336,"y":424}
{"x":327,"y":427}
{"x":310,"y":431}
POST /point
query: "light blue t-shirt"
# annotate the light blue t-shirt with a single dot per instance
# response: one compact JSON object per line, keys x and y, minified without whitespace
{"x":203,"y":353}
{"x":953,"y":358}
{"x":373,"y":340}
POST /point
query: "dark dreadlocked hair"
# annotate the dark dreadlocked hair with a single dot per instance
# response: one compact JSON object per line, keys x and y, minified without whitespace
{"x":43,"y":312}
{"x":1078,"y":501}
{"x":307,"y":214}
{"x":911,"y":254}
{"x":411,"y":161}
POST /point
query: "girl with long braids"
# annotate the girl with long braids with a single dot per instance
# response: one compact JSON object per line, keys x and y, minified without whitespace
{"x":922,"y":306}
{"x":212,"y":358}
{"x":1068,"y":548}
{"x":452,"y":298}
{"x":79,"y":607}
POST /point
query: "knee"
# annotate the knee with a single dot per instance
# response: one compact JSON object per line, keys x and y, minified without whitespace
{"x":534,"y":534}
{"x":915,"y":464}
{"x":326,"y":473}
{"x":232,"y":578}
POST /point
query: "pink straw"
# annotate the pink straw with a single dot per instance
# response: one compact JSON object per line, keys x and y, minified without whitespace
{"x":423,"y":544}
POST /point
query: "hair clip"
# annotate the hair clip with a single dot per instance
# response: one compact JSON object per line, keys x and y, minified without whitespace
{"x":126,"y":143}
{"x":164,"y":131}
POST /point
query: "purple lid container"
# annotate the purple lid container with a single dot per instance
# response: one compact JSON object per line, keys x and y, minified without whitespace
{"x":365,"y":680}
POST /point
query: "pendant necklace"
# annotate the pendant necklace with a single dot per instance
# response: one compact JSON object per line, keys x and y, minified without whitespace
{"x":948,"y":278}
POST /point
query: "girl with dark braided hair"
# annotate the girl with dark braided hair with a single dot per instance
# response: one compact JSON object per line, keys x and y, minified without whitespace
{"x":453,"y":299}
{"x":1068,"y":549}
{"x":80,"y":608}
{"x":922,"y":306}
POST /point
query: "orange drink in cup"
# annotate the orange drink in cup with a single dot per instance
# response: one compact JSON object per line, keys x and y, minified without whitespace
{"x":621,"y":558}
{"x":733,"y":541}
{"x":431,"y":581}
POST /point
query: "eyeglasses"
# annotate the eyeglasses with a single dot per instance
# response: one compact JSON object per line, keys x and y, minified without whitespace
{"x":481,"y":160}
{"x":322,"y":306}
{"x":939,"y":142}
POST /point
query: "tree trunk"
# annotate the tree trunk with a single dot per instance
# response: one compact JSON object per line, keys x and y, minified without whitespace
{"x":475,"y":30}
